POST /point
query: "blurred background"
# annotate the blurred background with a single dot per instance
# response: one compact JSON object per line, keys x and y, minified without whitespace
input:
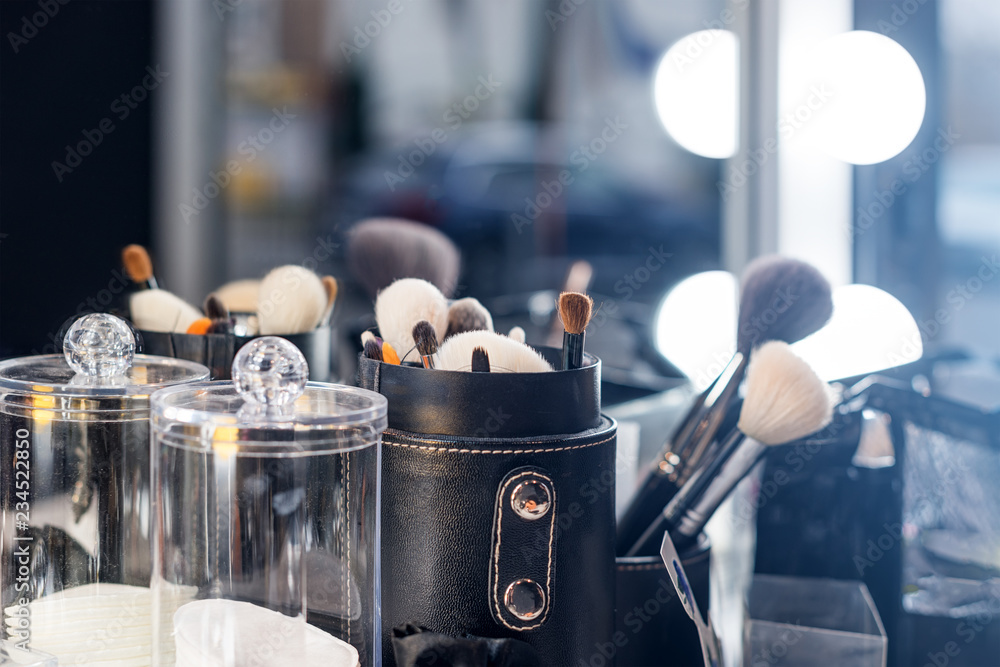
{"x":653,"y":139}
{"x":268,"y":127}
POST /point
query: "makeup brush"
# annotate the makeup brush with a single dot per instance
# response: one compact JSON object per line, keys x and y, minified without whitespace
{"x":371,"y":346}
{"x":480,"y":360}
{"x":781,"y":299}
{"x":160,"y":310}
{"x":773,"y":306}
{"x":139,"y":266}
{"x":240,"y":296}
{"x":291,"y":300}
{"x":575,"y":310}
{"x":404,"y":303}
{"x":785,"y":400}
{"x":331,"y":287}
{"x":467,"y":315}
{"x":517,"y":333}
{"x":383,"y":250}
{"x":426,"y":342}
{"x":505,"y":355}
{"x":389,"y":354}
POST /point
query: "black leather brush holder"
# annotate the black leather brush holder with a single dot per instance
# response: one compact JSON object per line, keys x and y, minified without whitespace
{"x":216,"y":351}
{"x":498,"y":506}
{"x":652,"y":628}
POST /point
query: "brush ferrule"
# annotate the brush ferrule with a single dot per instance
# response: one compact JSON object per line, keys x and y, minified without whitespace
{"x":427,"y":360}
{"x":572,"y":350}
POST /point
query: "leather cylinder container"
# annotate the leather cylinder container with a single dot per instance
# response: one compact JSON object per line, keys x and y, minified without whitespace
{"x":498,"y":506}
{"x":653,"y":630}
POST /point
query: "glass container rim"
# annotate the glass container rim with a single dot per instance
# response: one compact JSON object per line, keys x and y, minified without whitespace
{"x":195,"y":373}
{"x":373,"y":413}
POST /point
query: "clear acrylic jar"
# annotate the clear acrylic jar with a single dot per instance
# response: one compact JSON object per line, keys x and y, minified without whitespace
{"x":75,"y":492}
{"x":267,"y":523}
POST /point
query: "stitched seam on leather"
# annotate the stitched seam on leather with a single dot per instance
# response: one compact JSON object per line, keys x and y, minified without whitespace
{"x":455,"y":450}
{"x":496,"y":553}
{"x":652,"y":566}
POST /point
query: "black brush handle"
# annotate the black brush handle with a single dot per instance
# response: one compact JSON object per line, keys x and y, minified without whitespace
{"x":572,"y":350}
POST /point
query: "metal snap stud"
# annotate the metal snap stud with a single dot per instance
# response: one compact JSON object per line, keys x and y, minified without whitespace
{"x":525,"y":599}
{"x":531,"y":500}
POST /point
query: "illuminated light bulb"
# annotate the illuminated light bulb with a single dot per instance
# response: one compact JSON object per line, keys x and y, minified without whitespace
{"x":865,"y":94}
{"x":696,"y":91}
{"x":696,"y":325}
{"x":870,"y":331}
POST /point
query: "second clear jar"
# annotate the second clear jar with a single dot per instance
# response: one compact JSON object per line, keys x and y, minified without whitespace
{"x":266,"y":534}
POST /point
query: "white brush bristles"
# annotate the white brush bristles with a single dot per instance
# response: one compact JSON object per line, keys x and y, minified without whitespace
{"x":404,"y":303}
{"x":785,"y":399}
{"x":160,"y":310}
{"x":240,"y":296}
{"x":506,"y":355}
{"x":291,"y":300}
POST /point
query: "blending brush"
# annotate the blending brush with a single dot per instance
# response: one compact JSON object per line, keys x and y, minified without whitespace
{"x":575,"y":310}
{"x":780,"y":299}
{"x":426,"y":342}
{"x":517,"y":333}
{"x":505,"y":355}
{"x":480,"y":360}
{"x":240,"y":296}
{"x":160,"y":310}
{"x":291,"y":300}
{"x":467,"y":315}
{"x":383,"y":250}
{"x":331,"y":287}
{"x":785,"y":400}
{"x":139,"y":266}
{"x":404,"y":303}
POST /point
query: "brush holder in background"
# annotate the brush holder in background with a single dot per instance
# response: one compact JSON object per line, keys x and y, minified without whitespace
{"x":498,"y":506}
{"x":216,"y":351}
{"x":267,"y":517}
{"x":652,"y":628}
{"x":75,"y":493}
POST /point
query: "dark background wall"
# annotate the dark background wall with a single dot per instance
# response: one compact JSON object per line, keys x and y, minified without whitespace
{"x":61,"y":74}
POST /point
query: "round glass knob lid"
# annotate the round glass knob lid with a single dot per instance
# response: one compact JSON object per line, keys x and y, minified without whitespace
{"x":525,"y":599}
{"x":99,"y":345}
{"x":270,"y":371}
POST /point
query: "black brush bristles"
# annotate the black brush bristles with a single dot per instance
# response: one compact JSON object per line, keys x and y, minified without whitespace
{"x":781,"y":299}
{"x":372,"y":350}
{"x":426,"y":340}
{"x":575,"y":311}
{"x":467,"y":315}
{"x":480,"y":360}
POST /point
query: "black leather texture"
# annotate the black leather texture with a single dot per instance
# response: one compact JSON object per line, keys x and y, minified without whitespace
{"x":652,"y":628}
{"x":415,"y":646}
{"x":449,"y":553}
{"x":494,"y":405}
